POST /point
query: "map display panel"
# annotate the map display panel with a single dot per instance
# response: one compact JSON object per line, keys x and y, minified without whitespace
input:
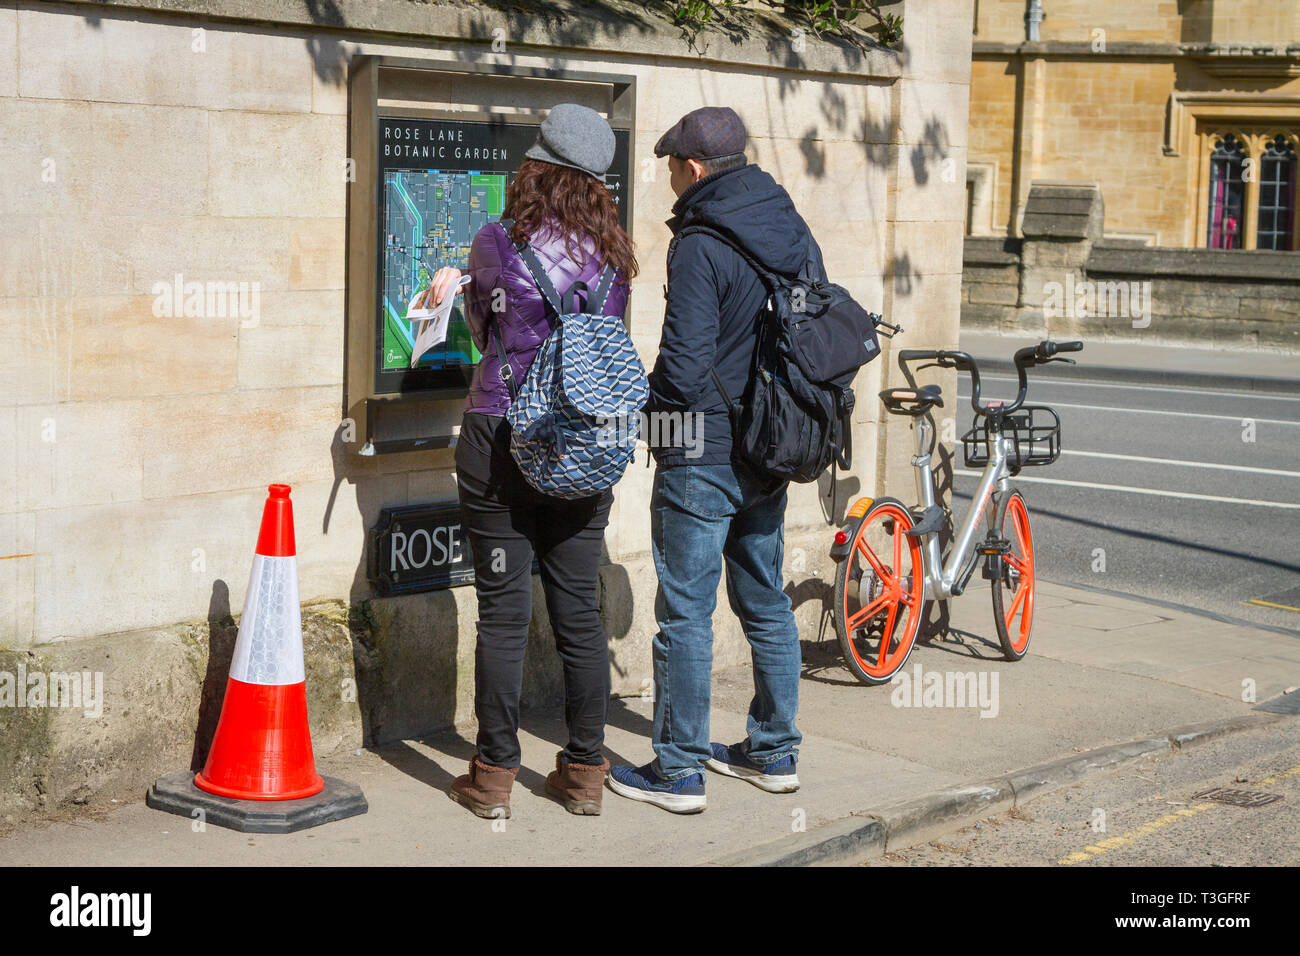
{"x":441,"y":181}
{"x":428,"y":214}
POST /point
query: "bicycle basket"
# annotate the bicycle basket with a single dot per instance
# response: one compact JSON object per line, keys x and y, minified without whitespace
{"x":1035,"y":432}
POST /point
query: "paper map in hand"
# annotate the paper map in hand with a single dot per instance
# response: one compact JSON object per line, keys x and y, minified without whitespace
{"x":429,"y":326}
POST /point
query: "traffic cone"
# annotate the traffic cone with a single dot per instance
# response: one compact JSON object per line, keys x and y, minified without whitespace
{"x":260,"y":774}
{"x":262,"y":747}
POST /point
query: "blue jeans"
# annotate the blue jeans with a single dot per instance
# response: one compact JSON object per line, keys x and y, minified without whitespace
{"x":702,"y":516}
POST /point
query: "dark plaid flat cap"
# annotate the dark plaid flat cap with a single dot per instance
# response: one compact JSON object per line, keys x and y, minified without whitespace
{"x":706,"y":133}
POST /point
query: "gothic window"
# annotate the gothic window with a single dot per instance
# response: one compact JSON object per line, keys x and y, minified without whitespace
{"x":1277,"y":189}
{"x":1227,"y":193}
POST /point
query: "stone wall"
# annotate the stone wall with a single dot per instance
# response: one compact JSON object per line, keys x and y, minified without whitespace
{"x":1208,"y":297}
{"x":1204,"y":298}
{"x":146,"y":138}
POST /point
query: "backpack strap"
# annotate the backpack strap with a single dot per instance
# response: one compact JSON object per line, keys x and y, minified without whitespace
{"x":543,"y":282}
{"x":593,"y":302}
{"x":504,"y":368}
{"x":562,"y":304}
{"x":596,"y":304}
{"x":733,"y":407}
{"x":507,"y":373}
{"x":566,"y":303}
{"x":769,"y":281}
{"x":769,"y":278}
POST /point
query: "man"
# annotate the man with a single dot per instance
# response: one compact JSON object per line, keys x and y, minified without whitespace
{"x":706,"y":509}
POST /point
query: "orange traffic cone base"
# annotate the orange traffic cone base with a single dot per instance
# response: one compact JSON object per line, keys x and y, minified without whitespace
{"x":258,"y":752}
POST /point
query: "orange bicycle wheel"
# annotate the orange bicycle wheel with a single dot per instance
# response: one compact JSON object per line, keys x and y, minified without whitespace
{"x":1013,"y":589}
{"x":879,"y":588}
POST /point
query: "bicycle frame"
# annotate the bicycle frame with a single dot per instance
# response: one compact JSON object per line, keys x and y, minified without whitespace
{"x":944,"y":581}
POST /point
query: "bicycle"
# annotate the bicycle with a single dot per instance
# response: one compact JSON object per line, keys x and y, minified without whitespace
{"x":889,"y":561}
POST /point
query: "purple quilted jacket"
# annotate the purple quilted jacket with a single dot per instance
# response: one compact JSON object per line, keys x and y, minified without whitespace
{"x":524,"y":323}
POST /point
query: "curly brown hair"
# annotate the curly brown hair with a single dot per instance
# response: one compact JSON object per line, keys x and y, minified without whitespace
{"x":579,"y":203}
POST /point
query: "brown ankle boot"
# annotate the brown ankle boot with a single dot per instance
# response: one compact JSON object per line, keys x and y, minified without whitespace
{"x":485,"y":790}
{"x":577,"y":785}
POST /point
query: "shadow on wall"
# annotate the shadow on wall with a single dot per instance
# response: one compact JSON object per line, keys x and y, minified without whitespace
{"x":405,"y":649}
{"x":836,"y":497}
{"x":512,"y":18}
{"x":816,"y":591}
{"x":933,"y":148}
{"x":903,"y":275}
{"x":222,"y":632}
{"x":612,"y":21}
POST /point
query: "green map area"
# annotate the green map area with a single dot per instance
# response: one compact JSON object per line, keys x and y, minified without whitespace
{"x":430,"y":218}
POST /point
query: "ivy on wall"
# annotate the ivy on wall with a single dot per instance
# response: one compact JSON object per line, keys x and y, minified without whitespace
{"x":843,"y":18}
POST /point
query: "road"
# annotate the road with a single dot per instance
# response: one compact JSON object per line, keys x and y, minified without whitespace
{"x":1182,"y":494}
{"x":1148,"y":814}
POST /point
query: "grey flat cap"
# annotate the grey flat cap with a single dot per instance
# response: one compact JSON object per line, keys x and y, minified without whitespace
{"x":575,"y":136}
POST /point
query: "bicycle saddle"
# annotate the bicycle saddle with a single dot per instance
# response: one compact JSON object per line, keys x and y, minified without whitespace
{"x":912,"y":401}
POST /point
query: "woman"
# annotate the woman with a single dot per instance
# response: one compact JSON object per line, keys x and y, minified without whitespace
{"x":559,"y":204}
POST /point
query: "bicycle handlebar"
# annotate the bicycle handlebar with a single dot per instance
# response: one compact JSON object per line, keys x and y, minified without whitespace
{"x":1025,"y":359}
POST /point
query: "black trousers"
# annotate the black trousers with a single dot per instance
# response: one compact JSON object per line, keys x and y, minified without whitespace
{"x":507,"y":523}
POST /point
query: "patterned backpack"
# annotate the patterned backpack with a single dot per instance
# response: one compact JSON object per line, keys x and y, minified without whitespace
{"x":574,"y":422}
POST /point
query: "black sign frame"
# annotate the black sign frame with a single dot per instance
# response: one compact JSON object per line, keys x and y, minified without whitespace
{"x":408,"y":521}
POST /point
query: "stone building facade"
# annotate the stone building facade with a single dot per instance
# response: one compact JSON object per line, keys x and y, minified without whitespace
{"x":1142,"y":98}
{"x":147,"y":139}
{"x":1185,"y":116}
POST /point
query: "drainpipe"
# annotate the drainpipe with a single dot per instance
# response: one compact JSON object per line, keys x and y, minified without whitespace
{"x":1033,"y":17}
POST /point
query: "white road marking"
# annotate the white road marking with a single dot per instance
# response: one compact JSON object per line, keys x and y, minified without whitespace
{"x":1188,"y":464}
{"x":1216,"y":392}
{"x":966,"y":473}
{"x":1157,"y":411}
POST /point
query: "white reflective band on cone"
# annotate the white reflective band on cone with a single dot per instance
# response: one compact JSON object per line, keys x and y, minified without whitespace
{"x":269,"y":647}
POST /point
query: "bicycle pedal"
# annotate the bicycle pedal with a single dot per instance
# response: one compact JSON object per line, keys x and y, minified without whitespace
{"x":995,"y":546}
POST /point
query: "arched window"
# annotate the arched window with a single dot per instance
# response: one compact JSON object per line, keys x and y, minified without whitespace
{"x":1227,"y":193}
{"x":1277,"y":189}
{"x":1250,"y":183}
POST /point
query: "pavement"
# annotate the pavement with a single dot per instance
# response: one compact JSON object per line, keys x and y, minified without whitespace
{"x":1102,"y":671}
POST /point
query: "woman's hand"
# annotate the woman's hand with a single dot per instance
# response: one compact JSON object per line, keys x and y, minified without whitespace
{"x":444,"y":279}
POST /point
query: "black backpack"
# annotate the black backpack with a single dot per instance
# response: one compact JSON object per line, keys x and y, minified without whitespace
{"x":793,"y":422}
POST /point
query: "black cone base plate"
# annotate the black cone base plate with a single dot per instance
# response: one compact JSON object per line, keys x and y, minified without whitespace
{"x":178,"y":794}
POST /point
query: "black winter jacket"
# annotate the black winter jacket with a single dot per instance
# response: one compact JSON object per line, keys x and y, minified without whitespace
{"x":714,"y":301}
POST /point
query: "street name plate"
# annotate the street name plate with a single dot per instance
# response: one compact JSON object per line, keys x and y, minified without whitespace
{"x":419,"y":548}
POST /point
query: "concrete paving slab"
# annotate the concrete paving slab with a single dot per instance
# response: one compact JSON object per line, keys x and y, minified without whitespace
{"x":1225,"y":677}
{"x":1099,"y":616}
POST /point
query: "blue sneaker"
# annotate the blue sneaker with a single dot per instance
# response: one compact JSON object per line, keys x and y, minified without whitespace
{"x":775,"y":777}
{"x":685,"y":795}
